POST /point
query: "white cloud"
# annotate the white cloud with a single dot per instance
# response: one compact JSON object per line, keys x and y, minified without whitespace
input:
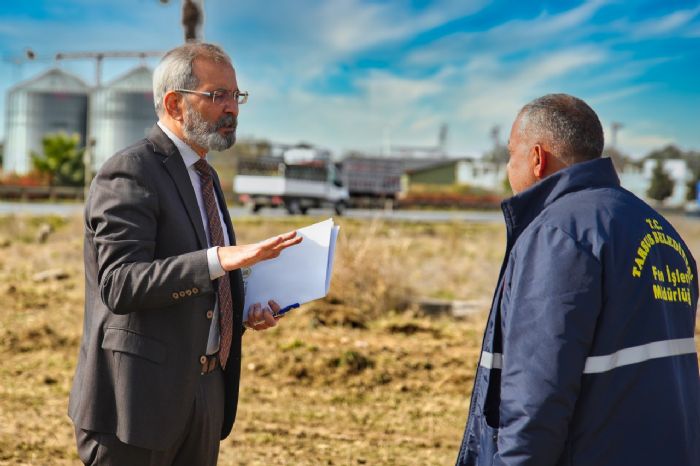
{"x":473,"y":98}
{"x":494,"y":91}
{"x":387,"y":88}
{"x":387,"y":104}
{"x":667,"y":24}
{"x":620,"y":93}
{"x":311,"y":36}
{"x":348,"y":26}
{"x":640,"y":144}
{"x":509,"y":37}
{"x":288,"y":52}
{"x":677,"y":23}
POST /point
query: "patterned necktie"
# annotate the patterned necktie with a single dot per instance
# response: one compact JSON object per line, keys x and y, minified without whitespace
{"x":216,"y":236}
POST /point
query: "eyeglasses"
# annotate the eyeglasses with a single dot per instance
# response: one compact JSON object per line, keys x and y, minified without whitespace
{"x":220,"y":96}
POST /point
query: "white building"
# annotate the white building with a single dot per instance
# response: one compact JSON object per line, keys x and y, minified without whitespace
{"x":53,"y":102}
{"x":115,"y":115}
{"x":121,"y":113}
{"x":638,"y":180}
{"x":465,"y":171}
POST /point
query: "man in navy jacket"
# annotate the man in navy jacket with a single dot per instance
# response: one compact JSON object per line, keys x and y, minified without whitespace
{"x":589,"y":355}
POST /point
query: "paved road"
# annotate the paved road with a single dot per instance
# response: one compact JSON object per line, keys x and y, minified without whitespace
{"x":69,"y":209}
{"x":34,"y":208}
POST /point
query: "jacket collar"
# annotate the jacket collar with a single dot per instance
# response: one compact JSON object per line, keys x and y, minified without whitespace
{"x":173,"y":163}
{"x":521,"y":209}
{"x":161,"y":142}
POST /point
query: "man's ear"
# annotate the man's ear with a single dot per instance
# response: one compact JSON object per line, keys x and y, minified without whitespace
{"x":540,"y":161}
{"x":172,"y":105}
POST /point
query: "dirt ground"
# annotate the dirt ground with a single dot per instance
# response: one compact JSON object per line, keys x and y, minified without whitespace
{"x":360,"y":377}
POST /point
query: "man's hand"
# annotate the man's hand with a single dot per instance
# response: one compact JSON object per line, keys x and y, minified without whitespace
{"x":245,"y":255}
{"x":261,"y":318}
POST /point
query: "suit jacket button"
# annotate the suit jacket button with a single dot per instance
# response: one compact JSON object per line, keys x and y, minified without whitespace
{"x":202,"y":359}
{"x":175,"y":295}
{"x":182,"y":294}
{"x":210,"y":314}
{"x":195,"y":290}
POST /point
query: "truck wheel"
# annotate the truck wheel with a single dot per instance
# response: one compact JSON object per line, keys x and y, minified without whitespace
{"x":293,"y":207}
{"x":339,"y":208}
{"x":303,"y":210}
{"x":256,"y":208}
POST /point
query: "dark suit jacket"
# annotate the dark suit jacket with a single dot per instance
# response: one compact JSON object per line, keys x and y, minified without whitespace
{"x":147,"y":293}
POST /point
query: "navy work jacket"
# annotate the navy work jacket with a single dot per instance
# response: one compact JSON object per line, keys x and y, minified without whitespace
{"x":588,"y":356}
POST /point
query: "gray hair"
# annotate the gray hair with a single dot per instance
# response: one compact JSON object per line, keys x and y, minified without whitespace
{"x":567,"y":124}
{"x":175,"y":70}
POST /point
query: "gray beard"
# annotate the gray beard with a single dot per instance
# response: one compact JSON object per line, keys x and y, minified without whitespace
{"x":204,"y":134}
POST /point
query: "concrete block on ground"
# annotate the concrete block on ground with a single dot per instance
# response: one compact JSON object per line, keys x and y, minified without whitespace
{"x":460,"y":309}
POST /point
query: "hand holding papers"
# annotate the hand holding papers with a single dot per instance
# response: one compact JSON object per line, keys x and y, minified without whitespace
{"x":299,"y":275}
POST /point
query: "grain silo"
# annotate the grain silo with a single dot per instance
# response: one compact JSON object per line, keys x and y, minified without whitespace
{"x":121,"y":113}
{"x":54,"y":101}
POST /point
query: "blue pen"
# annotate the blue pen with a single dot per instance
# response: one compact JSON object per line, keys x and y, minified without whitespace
{"x":286,"y":309}
{"x":280,"y":313}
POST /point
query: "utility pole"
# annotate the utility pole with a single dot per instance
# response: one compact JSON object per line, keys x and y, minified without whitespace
{"x":495,"y":134}
{"x":192,"y":19}
{"x":615,"y":126}
{"x":442,"y":139}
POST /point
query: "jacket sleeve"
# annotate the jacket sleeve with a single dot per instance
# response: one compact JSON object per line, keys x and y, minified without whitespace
{"x":122,"y":216}
{"x":550,"y":308}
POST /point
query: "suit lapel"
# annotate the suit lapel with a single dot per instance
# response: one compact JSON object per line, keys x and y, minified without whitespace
{"x":178,"y":172}
{"x":224,"y":209}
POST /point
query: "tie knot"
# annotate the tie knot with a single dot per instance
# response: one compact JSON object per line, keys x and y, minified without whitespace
{"x":202,"y":167}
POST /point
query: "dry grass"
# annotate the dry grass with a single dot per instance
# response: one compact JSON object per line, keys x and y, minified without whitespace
{"x":358,"y":378}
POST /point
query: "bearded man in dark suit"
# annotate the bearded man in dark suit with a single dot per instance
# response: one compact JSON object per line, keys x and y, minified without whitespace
{"x":159,"y":364}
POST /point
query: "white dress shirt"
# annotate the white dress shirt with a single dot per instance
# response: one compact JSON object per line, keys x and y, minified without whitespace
{"x":190,"y":157}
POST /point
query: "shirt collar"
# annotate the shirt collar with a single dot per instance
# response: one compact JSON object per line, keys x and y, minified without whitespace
{"x":189,"y":156}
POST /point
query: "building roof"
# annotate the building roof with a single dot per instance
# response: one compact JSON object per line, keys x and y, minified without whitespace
{"x":139,"y":79}
{"x":439,"y":164}
{"x":54,"y":79}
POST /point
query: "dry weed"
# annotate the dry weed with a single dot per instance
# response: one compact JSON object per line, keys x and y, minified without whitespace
{"x":356,"y":378}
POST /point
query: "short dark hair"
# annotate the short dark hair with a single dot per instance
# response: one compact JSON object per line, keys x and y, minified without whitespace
{"x":567,"y":124}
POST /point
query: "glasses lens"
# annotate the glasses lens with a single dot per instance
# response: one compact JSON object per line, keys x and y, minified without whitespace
{"x":242,"y":98}
{"x":218,"y":97}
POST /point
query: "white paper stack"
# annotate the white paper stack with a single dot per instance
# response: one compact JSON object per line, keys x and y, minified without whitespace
{"x":299,"y":274}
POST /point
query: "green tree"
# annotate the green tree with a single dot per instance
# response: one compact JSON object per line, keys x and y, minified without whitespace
{"x":666,"y":153}
{"x":661,"y":183}
{"x":506,"y":189}
{"x":62,"y":160}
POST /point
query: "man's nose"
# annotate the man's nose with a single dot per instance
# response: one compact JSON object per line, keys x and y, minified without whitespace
{"x":231,"y":106}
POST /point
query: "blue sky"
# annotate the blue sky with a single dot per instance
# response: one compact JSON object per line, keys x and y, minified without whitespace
{"x":356,"y":74}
